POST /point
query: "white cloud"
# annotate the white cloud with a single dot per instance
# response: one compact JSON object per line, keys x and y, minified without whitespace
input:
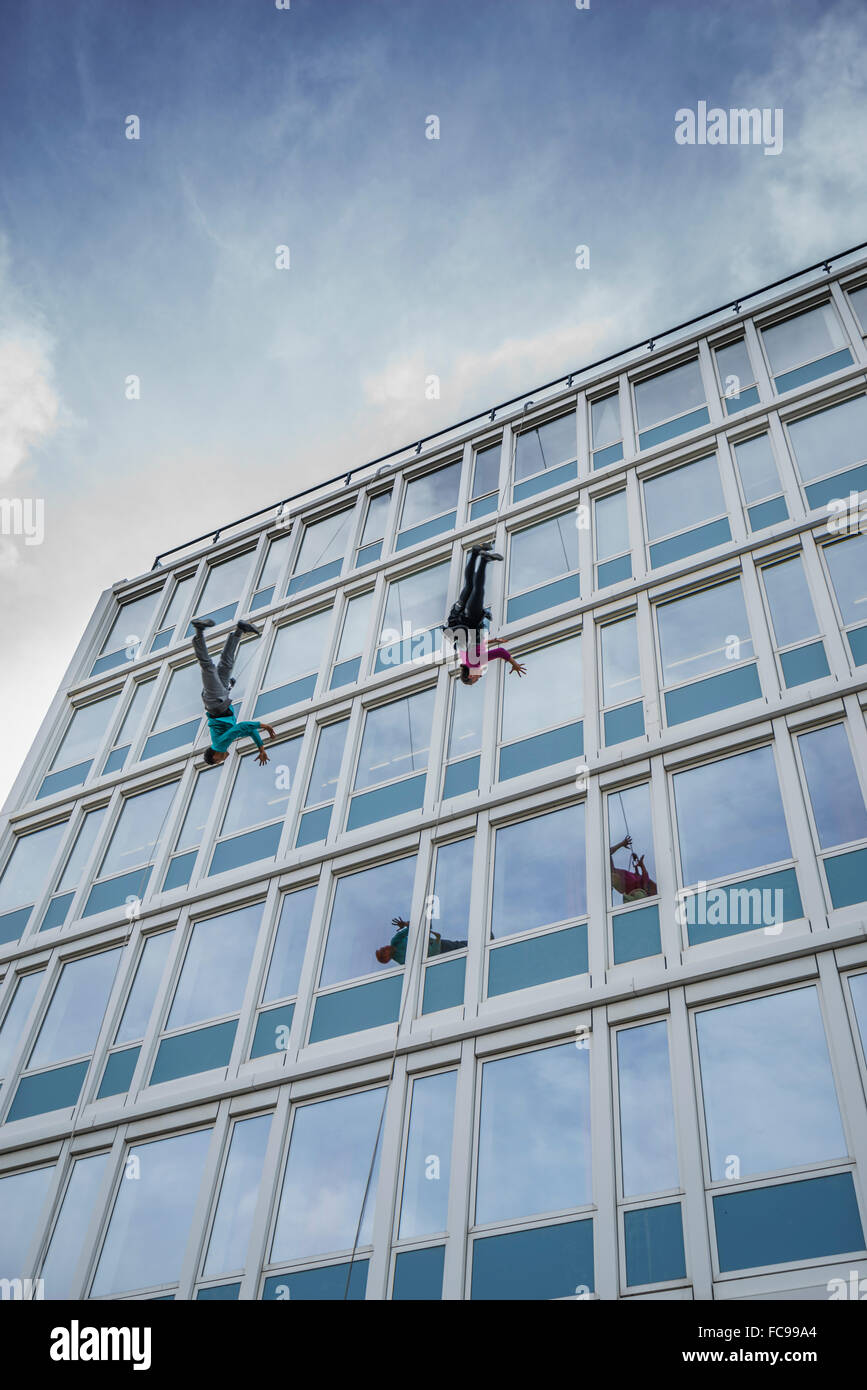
{"x":28,"y":401}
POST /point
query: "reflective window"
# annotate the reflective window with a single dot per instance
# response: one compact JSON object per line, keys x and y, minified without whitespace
{"x":669,"y":394}
{"x":27,"y":867}
{"x":760,"y":481}
{"x":83,"y":738}
{"x":70,"y":1231}
{"x":353,"y":639}
{"x":736,"y":376}
{"x":233,"y":1222}
{"x":287,"y":957}
{"x":546,"y":446}
{"x":486,"y":473}
{"x":847,"y":566}
{"x":133,"y":1024}
{"x":425,"y":1199}
{"x":448,"y":913}
{"x":730,"y":816}
{"x":858,"y":990}
{"x":835,"y":792}
{"x":325,"y":772}
{"x":621,"y":674}
{"x":830,"y":440}
{"x":176,"y":610}
{"x":361,"y":919}
{"x":605,"y":420}
{"x":295,"y":658}
{"x":259,"y":794}
{"x":322,"y":550}
{"x":648,"y":1149}
{"x":15,"y":1018}
{"x":703,"y":632}
{"x":539,"y":873}
{"x":556,"y":669}
{"x":129,"y":729}
{"x":330,"y":1153}
{"x":216,"y":966}
{"x":197,"y":812}
{"x":430,"y":495}
{"x":465,"y":727}
{"x":858,"y":300}
{"x":182,"y":702}
{"x":71,"y":1025}
{"x":757,"y":468}
{"x":373,"y":533}
{"x":792,"y":614}
{"x":769,"y":1097}
{"x":803,"y":338}
{"x":534,"y":1134}
{"x":22,"y":1198}
{"x":681,"y":500}
{"x":192,"y":830}
{"x":611,"y":527}
{"x":136,"y":834}
{"x":128,"y":632}
{"x":222,"y":589}
{"x":153,"y":1210}
{"x":272,"y":568}
{"x":396,"y":740}
{"x":414,"y":605}
{"x":544,"y":552}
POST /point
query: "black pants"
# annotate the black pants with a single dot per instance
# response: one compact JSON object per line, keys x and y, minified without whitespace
{"x":469,"y":609}
{"x":450,"y":945}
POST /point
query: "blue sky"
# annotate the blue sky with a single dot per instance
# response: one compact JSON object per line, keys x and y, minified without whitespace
{"x":409,"y":256}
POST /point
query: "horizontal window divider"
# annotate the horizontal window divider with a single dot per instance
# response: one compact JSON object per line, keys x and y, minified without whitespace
{"x":532,"y":932}
{"x":356,"y":982}
{"x":775,"y":1176}
{"x":653,"y":1199}
{"x":542,"y":1218}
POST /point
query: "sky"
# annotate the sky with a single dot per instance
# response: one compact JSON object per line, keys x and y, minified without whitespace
{"x":306,"y":127}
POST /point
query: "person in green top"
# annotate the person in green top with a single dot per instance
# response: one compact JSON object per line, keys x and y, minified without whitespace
{"x":396,"y":949}
{"x":217,"y":683}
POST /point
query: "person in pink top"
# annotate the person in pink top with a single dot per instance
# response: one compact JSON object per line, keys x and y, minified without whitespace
{"x":469,"y":618}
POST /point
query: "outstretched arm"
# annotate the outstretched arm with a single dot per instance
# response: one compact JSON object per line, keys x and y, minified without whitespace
{"x":254,"y":734}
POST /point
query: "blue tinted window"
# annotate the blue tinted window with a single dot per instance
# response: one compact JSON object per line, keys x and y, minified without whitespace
{"x":424,"y":1203}
{"x":769,"y":1094}
{"x":330,"y":1152}
{"x":648,"y":1150}
{"x":835,"y":792}
{"x":534,"y":1135}
{"x":364,"y":904}
{"x":730,"y":816}
{"x":539,"y":875}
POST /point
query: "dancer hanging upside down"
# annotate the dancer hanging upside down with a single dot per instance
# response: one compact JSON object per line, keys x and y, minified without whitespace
{"x":469,"y":619}
{"x":217,"y":684}
{"x":396,"y":950}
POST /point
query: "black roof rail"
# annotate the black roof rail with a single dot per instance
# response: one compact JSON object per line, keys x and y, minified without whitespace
{"x":491,"y":412}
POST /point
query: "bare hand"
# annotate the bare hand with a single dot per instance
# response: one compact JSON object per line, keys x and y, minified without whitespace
{"x":516,"y":666}
{"x":269,"y":731}
{"x":399,"y":922}
{"x":263,"y":757}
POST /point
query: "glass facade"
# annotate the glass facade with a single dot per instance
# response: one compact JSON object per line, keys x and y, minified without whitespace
{"x":550,"y":986}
